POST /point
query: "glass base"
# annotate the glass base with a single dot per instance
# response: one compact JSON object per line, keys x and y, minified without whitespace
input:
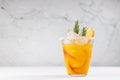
{"x":78,"y":75}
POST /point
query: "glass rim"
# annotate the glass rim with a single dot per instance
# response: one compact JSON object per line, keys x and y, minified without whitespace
{"x":81,"y":40}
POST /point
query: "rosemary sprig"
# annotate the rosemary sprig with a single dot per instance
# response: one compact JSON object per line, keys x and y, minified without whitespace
{"x":84,"y":30}
{"x":76,"y":28}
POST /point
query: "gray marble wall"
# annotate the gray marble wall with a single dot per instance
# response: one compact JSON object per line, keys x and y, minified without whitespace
{"x":30,"y":30}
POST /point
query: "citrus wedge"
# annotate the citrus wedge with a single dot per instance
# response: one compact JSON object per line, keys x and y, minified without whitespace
{"x":90,"y":32}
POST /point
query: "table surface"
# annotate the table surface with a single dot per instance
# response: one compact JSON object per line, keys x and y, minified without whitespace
{"x":57,"y":73}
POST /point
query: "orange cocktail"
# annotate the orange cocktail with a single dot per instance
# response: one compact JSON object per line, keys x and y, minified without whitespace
{"x":77,"y":57}
{"x":77,"y":50}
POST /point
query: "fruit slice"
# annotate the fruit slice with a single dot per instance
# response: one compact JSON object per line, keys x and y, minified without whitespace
{"x":90,"y":32}
{"x":84,"y":61}
{"x":75,"y":56}
{"x":67,"y":54}
{"x":76,"y":65}
{"x":80,"y":60}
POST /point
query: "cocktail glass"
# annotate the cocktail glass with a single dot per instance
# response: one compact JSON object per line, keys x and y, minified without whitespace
{"x":77,"y":55}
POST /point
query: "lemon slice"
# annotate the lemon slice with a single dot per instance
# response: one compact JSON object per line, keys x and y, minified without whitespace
{"x":90,"y":32}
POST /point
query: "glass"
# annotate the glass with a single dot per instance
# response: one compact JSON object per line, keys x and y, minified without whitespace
{"x":77,"y":55}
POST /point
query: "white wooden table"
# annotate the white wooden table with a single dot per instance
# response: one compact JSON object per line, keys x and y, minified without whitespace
{"x":57,"y":73}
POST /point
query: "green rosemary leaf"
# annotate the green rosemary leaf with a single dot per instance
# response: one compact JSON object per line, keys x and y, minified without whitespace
{"x":76,"y":28}
{"x":84,"y":30}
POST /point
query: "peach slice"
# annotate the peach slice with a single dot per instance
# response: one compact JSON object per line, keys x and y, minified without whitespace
{"x":79,"y":62}
{"x":90,"y":32}
{"x":67,"y":54}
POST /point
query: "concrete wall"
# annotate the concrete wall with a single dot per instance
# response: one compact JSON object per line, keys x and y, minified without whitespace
{"x":30,"y":30}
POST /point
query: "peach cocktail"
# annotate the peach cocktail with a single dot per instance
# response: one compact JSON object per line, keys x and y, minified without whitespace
{"x":77,"y":49}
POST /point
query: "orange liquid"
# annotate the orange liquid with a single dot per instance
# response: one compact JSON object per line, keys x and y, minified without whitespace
{"x":77,"y":58}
